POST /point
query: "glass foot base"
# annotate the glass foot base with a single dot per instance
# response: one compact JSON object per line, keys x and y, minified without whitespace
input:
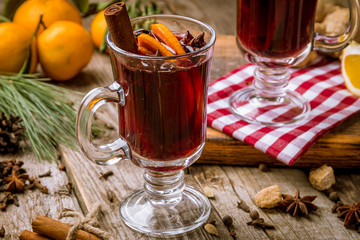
{"x":271,"y":111}
{"x":161,"y":218}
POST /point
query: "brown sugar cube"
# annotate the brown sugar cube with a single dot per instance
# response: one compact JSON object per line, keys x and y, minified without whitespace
{"x":268,"y":197}
{"x":322,"y":178}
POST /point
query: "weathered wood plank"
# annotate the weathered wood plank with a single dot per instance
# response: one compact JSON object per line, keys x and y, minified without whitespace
{"x":33,"y":202}
{"x":233,"y":183}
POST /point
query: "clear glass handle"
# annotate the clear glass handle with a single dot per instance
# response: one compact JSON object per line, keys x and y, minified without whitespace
{"x":336,"y":43}
{"x":105,"y":154}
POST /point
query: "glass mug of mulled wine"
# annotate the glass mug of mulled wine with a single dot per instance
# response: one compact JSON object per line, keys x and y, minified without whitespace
{"x":162,"y":126}
{"x":277,"y":34}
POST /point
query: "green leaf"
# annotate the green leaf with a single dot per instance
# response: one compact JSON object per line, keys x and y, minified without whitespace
{"x":4,"y":19}
{"x":97,"y":7}
{"x":82,"y":5}
{"x":103,"y":5}
{"x":10,"y":7}
{"x":27,"y":64}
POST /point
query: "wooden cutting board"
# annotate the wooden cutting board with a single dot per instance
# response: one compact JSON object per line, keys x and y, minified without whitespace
{"x":340,"y":148}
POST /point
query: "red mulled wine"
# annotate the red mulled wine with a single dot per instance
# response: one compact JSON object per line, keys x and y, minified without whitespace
{"x":275,"y":28}
{"x":164,"y":117}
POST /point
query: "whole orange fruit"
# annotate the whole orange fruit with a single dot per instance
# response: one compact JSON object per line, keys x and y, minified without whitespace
{"x":14,"y":47}
{"x":64,"y":49}
{"x":98,"y":29}
{"x":28,"y":14}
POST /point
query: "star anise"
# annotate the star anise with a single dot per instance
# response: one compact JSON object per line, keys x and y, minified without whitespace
{"x":16,"y":181}
{"x":297,"y":205}
{"x":350,"y":214}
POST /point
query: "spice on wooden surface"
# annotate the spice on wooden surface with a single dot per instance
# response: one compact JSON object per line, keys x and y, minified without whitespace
{"x":110,"y":195}
{"x":37,"y":184}
{"x":106,"y":175}
{"x":208,"y":192}
{"x":46,"y":174}
{"x":28,"y":235}
{"x":227,"y":220}
{"x":11,"y":133}
{"x":297,"y":206}
{"x":8,"y":199}
{"x":69,"y":186}
{"x":15,"y":177}
{"x":16,"y":181}
{"x":263,"y":167}
{"x":329,"y":190}
{"x":2,"y":232}
{"x":243,"y":206}
{"x":211,"y":229}
{"x":334,"y":196}
{"x":260,"y":223}
{"x":31,"y":180}
{"x":62,"y":167}
{"x":336,"y":206}
{"x":118,"y":22}
{"x":254,"y":214}
{"x":58,"y":230}
{"x":350,"y":214}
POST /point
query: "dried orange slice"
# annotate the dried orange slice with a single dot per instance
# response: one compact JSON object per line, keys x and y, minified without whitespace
{"x":145,"y":51}
{"x":350,"y":64}
{"x":164,"y":34}
{"x":148,"y":42}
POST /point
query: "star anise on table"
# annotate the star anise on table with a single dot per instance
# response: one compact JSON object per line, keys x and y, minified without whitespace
{"x":16,"y":181}
{"x":297,"y":205}
{"x":350,"y":214}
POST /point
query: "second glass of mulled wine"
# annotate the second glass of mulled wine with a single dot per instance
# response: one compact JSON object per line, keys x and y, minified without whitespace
{"x":277,"y":34}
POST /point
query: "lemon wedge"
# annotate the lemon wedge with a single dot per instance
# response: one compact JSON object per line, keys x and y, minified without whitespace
{"x":350,"y":68}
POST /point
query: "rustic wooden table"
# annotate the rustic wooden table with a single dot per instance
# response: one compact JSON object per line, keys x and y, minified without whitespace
{"x":229,"y":183}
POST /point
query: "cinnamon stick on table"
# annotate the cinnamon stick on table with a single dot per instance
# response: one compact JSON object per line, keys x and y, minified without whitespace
{"x":28,"y":235}
{"x":118,"y":22}
{"x":58,"y":230}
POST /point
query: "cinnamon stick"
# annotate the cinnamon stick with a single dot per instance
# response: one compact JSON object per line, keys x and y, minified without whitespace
{"x":118,"y":22}
{"x":58,"y":230}
{"x":28,"y":235}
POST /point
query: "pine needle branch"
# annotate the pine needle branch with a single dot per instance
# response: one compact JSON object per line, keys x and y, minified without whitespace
{"x":45,"y":109}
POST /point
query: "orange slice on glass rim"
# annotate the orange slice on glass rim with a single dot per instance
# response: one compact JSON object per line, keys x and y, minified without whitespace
{"x":350,"y":68}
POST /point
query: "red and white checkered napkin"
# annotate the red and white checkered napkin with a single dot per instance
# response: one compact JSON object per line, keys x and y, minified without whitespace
{"x":322,"y":85}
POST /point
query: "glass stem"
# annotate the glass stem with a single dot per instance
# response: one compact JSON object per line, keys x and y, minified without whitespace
{"x":271,"y":83}
{"x":164,"y":188}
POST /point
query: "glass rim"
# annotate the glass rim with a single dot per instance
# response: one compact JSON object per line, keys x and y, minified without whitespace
{"x":211,"y":42}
